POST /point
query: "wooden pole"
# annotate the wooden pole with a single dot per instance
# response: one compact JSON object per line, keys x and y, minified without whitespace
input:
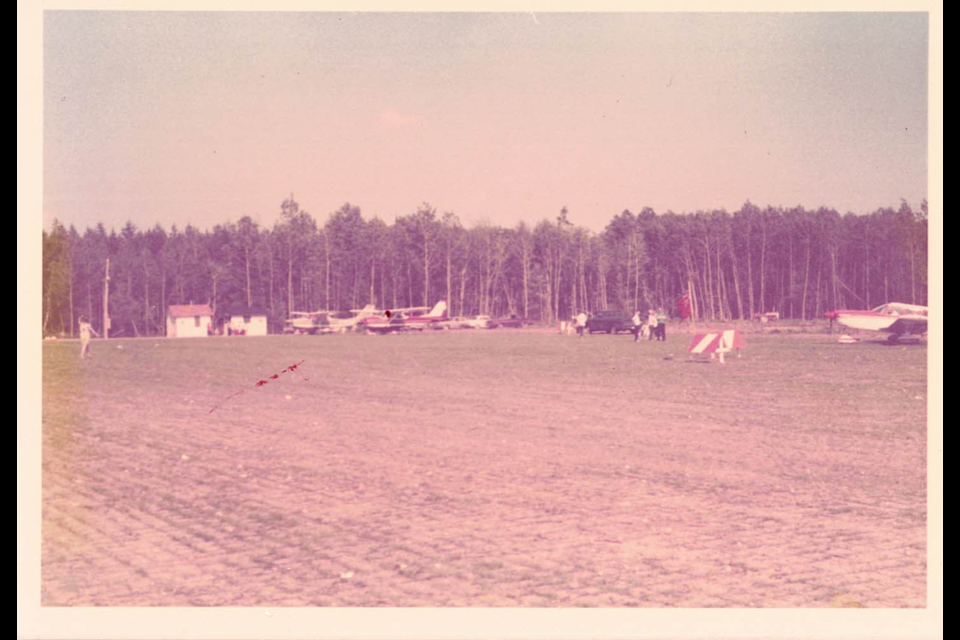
{"x":106,"y":301}
{"x":693,"y":304}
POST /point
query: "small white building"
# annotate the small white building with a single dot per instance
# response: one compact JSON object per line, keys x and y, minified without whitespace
{"x":189,"y":320}
{"x":245,"y":322}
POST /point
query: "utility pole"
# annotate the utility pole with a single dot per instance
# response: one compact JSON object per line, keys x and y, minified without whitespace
{"x":106,"y":301}
{"x":693,"y":304}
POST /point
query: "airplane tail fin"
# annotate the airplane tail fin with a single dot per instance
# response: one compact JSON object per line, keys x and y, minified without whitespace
{"x":439,"y":309}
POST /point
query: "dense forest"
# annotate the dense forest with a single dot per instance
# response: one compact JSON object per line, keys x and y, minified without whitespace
{"x":797,"y":262}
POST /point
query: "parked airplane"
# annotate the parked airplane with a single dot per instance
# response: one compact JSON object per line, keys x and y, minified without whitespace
{"x":406,"y":319}
{"x":302,"y":322}
{"x":329,"y":321}
{"x":898,"y":319}
{"x":343,"y":321}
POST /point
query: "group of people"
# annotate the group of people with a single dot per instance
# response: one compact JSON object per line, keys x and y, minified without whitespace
{"x":654,"y":327}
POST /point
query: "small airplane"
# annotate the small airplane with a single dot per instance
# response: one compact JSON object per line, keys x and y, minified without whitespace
{"x":343,"y":321}
{"x":301,"y":322}
{"x":406,"y":319}
{"x":899,"y":319}
{"x":314,"y":322}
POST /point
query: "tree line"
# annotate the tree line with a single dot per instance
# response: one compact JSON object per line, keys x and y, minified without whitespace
{"x":797,"y":262}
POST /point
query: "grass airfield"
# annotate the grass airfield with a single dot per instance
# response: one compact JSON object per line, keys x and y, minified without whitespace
{"x":483,"y":468}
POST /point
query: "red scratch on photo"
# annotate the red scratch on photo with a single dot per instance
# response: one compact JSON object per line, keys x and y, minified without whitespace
{"x":294,"y":368}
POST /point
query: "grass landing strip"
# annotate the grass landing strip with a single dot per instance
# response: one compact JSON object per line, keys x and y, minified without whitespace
{"x":483,"y":468}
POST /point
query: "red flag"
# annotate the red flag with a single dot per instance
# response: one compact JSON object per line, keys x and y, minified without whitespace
{"x":683,"y":306}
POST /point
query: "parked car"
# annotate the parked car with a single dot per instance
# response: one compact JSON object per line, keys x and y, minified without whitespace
{"x":513,"y":322}
{"x":609,"y":321}
{"x":480,"y":322}
{"x":466,"y":322}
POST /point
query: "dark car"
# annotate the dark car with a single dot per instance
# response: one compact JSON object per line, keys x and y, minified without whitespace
{"x":513,"y":322}
{"x":610,"y":321}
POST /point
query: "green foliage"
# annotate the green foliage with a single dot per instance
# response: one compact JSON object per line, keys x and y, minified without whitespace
{"x":56,"y":281}
{"x":795,"y":261}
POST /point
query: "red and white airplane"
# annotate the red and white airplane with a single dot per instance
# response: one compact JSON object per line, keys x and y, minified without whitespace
{"x":898,"y":319}
{"x":406,"y":319}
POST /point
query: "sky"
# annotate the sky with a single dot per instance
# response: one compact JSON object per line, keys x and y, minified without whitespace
{"x":202,"y":118}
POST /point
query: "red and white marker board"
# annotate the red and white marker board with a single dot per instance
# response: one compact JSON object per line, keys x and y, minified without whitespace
{"x":717,"y":342}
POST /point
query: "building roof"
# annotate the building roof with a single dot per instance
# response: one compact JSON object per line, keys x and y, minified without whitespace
{"x":190,"y":310}
{"x":229,"y":312}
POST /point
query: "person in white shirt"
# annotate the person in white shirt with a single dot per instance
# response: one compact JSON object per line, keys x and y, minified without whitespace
{"x":581,"y":323}
{"x":85,"y":330}
{"x":637,"y":326}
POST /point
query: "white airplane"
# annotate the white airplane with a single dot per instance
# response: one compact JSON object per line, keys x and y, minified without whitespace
{"x":406,"y":319}
{"x":302,"y":322}
{"x":899,"y":319}
{"x":343,"y":321}
{"x":314,"y":322}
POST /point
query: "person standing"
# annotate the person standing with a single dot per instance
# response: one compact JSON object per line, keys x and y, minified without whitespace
{"x":652,"y":324}
{"x":637,"y":326}
{"x":85,"y":330}
{"x":581,"y":323}
{"x":661,"y":325}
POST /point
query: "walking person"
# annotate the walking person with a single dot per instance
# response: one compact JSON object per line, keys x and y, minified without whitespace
{"x":581,"y":323}
{"x":85,"y":330}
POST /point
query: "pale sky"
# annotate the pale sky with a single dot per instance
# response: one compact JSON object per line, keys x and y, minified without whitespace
{"x":206,"y":117}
